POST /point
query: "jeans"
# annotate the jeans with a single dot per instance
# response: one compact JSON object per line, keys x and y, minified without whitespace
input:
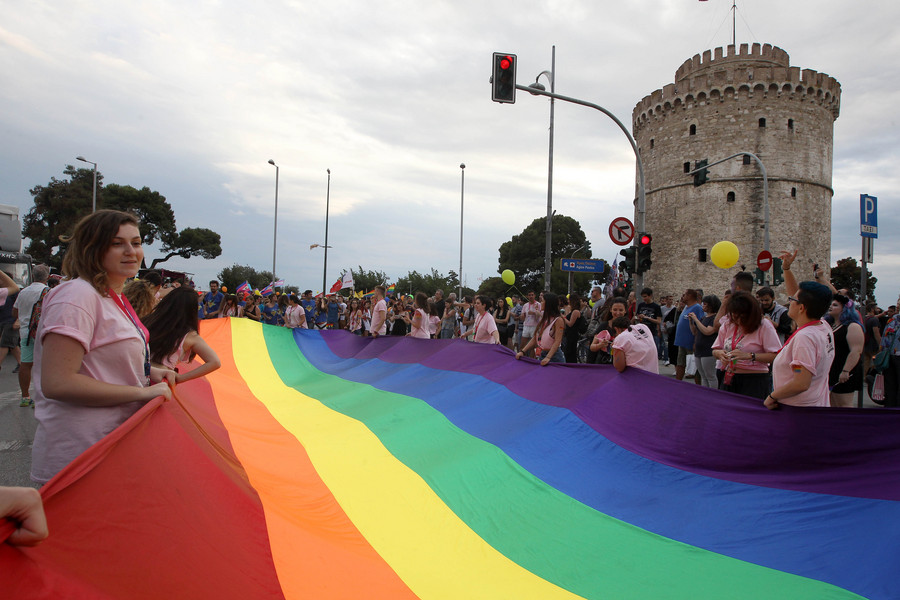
{"x":559,"y":357}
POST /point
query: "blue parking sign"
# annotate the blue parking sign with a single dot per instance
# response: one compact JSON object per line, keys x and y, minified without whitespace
{"x":868,"y":216}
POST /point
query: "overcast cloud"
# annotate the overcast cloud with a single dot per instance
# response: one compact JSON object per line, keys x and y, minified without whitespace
{"x":192,"y":99}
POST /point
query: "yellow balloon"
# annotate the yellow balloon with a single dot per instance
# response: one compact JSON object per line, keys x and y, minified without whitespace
{"x":724,"y":255}
{"x":509,"y":300}
{"x":508,"y":277}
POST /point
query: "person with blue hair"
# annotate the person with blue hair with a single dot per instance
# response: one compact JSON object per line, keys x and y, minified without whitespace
{"x":846,"y":375}
{"x":801,"y":367}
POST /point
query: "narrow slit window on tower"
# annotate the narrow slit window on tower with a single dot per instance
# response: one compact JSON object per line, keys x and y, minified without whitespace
{"x":651,"y":143}
{"x":793,"y":192}
{"x":746,"y":160}
{"x":762,"y":122}
{"x":730,"y":197}
{"x":701,"y":255}
{"x":687,"y":167}
{"x":790,"y":124}
{"x":693,"y":130}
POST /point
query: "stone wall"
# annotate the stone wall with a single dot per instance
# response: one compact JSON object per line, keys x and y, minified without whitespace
{"x":722,"y":104}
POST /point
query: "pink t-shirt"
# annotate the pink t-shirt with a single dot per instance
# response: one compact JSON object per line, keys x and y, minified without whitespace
{"x":379,"y":314}
{"x":639,"y":348}
{"x":424,"y":329}
{"x":764,"y":339}
{"x":812,"y":348}
{"x":434,"y":321}
{"x":532,"y":314}
{"x":113,"y":353}
{"x":484,"y":326}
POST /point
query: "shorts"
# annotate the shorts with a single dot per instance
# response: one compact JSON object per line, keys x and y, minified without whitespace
{"x":528,"y":331}
{"x":9,"y":336}
{"x":27,"y":351}
{"x":683,"y":353}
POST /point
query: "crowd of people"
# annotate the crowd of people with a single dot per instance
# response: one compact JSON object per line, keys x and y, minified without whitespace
{"x":102,"y":343}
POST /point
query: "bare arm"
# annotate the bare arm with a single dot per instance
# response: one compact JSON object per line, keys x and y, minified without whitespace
{"x":855,"y":339}
{"x":790,"y":282}
{"x":61,"y":380}
{"x":196,"y":344}
{"x":619,"y":360}
{"x":798,"y":383}
{"x":7,"y":282}
{"x":558,"y":328}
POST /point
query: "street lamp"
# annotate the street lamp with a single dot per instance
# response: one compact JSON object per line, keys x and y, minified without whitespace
{"x":94,"y":204}
{"x":327,"y":202}
{"x":549,"y":229}
{"x":462,"y":197}
{"x":275,"y":234}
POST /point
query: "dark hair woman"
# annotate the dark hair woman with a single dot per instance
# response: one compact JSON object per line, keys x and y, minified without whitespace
{"x":501,"y":314}
{"x":745,"y":345}
{"x":575,"y":326}
{"x":230,"y":307}
{"x":421,"y":327}
{"x":845,"y":377}
{"x":705,"y":331}
{"x":92,"y":360}
{"x":600,"y":345}
{"x":548,"y":334}
{"x":251,"y":308}
{"x":173,"y":326}
{"x":355,"y":321}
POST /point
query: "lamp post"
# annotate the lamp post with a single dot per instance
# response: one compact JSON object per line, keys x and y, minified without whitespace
{"x":94,"y":203}
{"x":462,"y":197}
{"x":275,"y":233}
{"x":551,"y":76}
{"x":327,"y":202}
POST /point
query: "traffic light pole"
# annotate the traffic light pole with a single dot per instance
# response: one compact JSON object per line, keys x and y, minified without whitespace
{"x":638,"y":277}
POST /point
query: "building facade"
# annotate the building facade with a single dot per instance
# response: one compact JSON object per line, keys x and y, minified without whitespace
{"x":723,"y":103}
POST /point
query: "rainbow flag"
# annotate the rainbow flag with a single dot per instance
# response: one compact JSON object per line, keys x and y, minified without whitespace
{"x":390,"y":288}
{"x":318,"y":464}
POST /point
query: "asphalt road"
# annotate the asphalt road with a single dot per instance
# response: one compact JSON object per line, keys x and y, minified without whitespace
{"x":17,"y":427}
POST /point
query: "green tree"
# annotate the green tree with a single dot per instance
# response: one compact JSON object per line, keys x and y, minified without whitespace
{"x":429,"y":283}
{"x":191,"y":241}
{"x":59,"y":205}
{"x":524,"y":255}
{"x":495,"y":288}
{"x":233,"y":276}
{"x":846,"y":274}
{"x":366,"y":280}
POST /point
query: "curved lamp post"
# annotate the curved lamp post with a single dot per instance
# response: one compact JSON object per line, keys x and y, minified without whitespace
{"x":94,"y":203}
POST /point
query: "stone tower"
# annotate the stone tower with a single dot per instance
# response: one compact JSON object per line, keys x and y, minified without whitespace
{"x":748,"y":101}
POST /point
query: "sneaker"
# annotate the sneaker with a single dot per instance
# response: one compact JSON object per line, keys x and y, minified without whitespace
{"x":26,"y":402}
{"x":16,"y":370}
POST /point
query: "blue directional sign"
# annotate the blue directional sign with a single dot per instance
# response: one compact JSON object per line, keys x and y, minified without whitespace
{"x":582,"y":265}
{"x":868,"y":216}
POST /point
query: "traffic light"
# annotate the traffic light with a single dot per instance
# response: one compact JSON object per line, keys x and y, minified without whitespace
{"x":630,"y":263}
{"x":503,"y":78}
{"x":759,"y":277}
{"x":701,"y":175}
{"x":644,"y":251}
{"x":777,"y":272}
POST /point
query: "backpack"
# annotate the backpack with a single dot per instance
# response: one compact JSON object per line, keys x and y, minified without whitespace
{"x":35,"y":316}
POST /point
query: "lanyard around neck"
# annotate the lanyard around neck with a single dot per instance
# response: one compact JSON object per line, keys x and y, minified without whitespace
{"x":125,"y":306}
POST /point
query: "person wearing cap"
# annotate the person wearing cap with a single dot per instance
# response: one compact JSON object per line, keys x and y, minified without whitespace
{"x":801,"y":367}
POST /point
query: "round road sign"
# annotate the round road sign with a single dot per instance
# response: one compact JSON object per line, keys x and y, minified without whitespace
{"x":621,"y":231}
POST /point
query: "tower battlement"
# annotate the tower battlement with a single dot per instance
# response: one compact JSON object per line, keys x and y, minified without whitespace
{"x":760,"y":69}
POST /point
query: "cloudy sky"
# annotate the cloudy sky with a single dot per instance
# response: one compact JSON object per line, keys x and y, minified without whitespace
{"x":193,"y":98}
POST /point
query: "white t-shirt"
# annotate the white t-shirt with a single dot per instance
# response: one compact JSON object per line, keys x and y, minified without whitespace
{"x":25,"y":302}
{"x":113,"y":353}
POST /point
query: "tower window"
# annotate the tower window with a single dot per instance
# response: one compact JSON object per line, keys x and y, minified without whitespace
{"x":687,"y":167}
{"x":790,"y":124}
{"x":693,"y":130}
{"x":746,"y":160}
{"x":651,"y":143}
{"x":762,"y":122}
{"x":730,"y":197}
{"x":793,"y":192}
{"x":701,"y":255}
